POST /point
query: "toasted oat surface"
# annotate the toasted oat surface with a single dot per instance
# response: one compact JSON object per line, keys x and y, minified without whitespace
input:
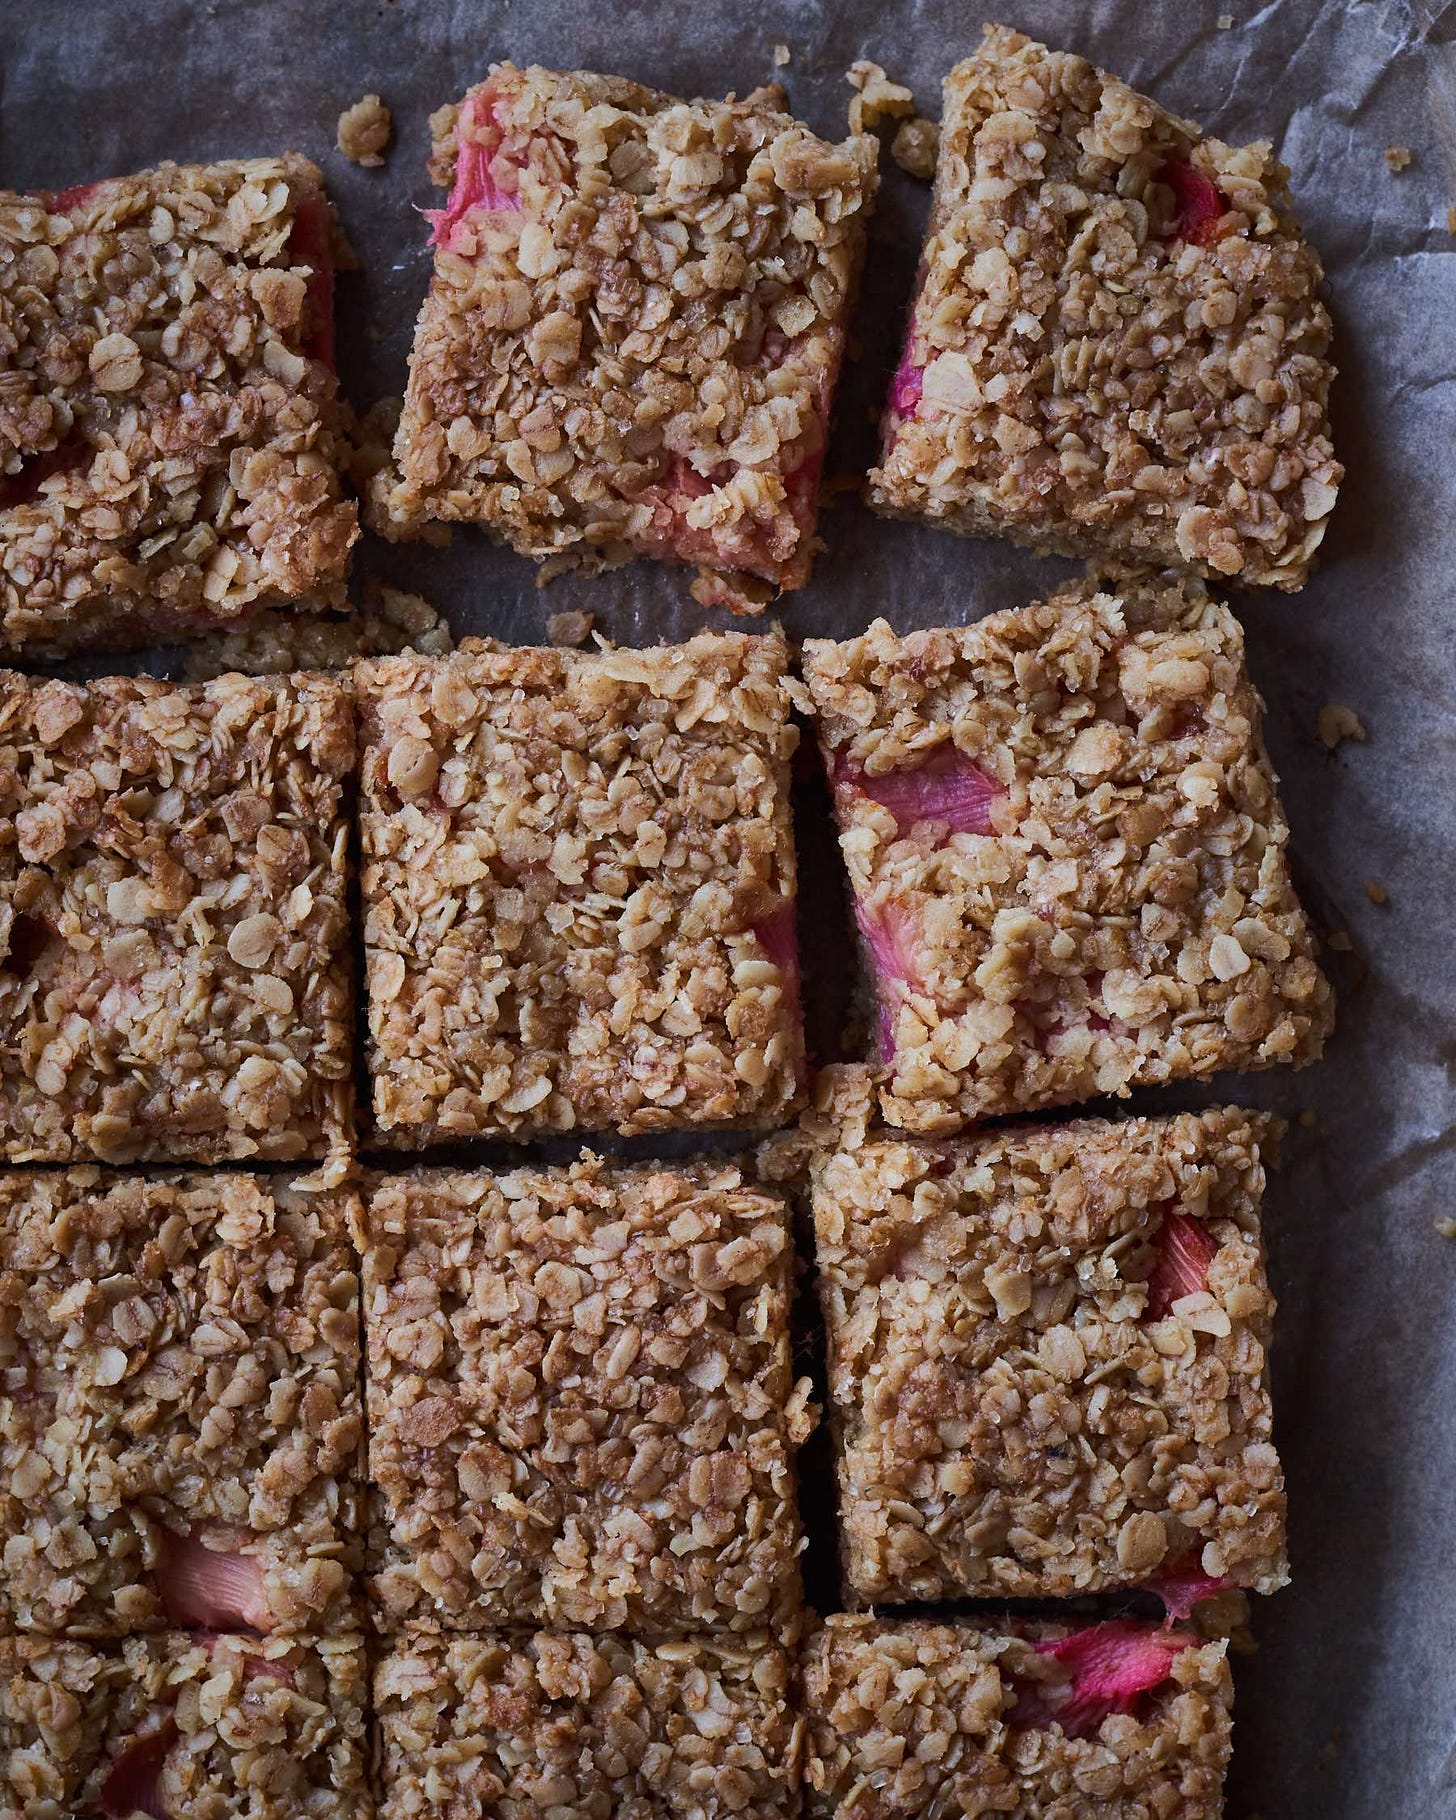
{"x":917,"y":1718}
{"x":179,"y":1359}
{"x":1019,"y":1412}
{"x":510,"y":1727}
{"x":208,"y":1726}
{"x":1118,"y":347}
{"x":1126,"y":917}
{"x":634,"y":326}
{"x":174,"y":975}
{"x":581,"y":1403}
{"x":578,"y":883}
{"x":169,"y":434}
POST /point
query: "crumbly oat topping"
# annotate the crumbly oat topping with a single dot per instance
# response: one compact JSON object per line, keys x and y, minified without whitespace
{"x":578,"y":883}
{"x":174,"y":973}
{"x":876,"y":97}
{"x":634,"y":326}
{"x":581,"y":1404}
{"x":364,"y":130}
{"x":207,"y":1726}
{"x":1397,"y":158}
{"x":169,"y":424}
{"x":1066,"y":851}
{"x":1376,"y":892}
{"x":1118,"y":346}
{"x":569,"y":629}
{"x":178,"y":1364}
{"x":592,"y":1726}
{"x":1337,"y":723}
{"x":1047,"y":1359}
{"x":928,"y":1719}
{"x":277,"y":644}
{"x":916,"y":147}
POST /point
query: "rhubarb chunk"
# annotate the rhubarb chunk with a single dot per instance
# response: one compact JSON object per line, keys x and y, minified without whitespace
{"x":930,"y":1719}
{"x":634,"y":328}
{"x":1118,"y":346}
{"x":180,"y":1351}
{"x":1066,"y":852}
{"x":1016,"y":1415}
{"x":170,"y":435}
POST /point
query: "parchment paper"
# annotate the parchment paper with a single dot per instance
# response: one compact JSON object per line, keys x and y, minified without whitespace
{"x":1348,"y":1711}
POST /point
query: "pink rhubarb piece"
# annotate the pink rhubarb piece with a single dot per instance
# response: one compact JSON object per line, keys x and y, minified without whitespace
{"x":1112,"y":1667}
{"x":475,"y":184}
{"x":1184,"y":1585}
{"x":906,"y":387}
{"x":133,"y":1784}
{"x":1186,"y":1248}
{"x":949,"y":788}
{"x":211,"y":1589}
{"x":1200,"y":206}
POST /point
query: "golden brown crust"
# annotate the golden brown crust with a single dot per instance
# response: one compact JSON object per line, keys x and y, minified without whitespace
{"x":169,"y":428}
{"x":581,"y":1404}
{"x":174,"y":970}
{"x":1015,"y":1417}
{"x":1118,"y":347}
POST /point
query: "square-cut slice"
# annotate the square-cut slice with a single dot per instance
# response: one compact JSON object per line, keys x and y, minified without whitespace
{"x":182,"y":1437}
{"x":566,"y":1723}
{"x":582,"y":1410}
{"x":1066,"y":851}
{"x":208,"y":1726}
{"x":922,"y":1719}
{"x":174,"y":962}
{"x":634,"y":327}
{"x":1047,"y":1361}
{"x":578,"y":882}
{"x":169,"y":423}
{"x":1118,"y":347}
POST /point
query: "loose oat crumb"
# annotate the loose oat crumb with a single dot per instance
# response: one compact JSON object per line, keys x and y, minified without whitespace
{"x":916,"y":146}
{"x":1308,"y":1120}
{"x":1225,"y":22}
{"x":364,"y":131}
{"x":1451,"y":221}
{"x":1337,"y":723}
{"x":573,"y":628}
{"x":877,"y":96}
{"x":1340,"y":941}
{"x":1397,"y":157}
{"x":1376,"y":892}
{"x":305,"y":638}
{"x":780,"y":55}
{"x":1446,"y":1227}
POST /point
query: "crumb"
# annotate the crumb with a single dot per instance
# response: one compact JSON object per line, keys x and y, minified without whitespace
{"x":1446,"y":1227}
{"x":1225,"y":22}
{"x":1397,"y":157}
{"x":364,"y":131}
{"x":1451,"y":221}
{"x":573,"y":628}
{"x":1376,"y":892}
{"x":1308,"y":1120}
{"x":306,"y":637}
{"x":915,"y":147}
{"x":1336,"y":723}
{"x":738,"y":592}
{"x":1340,"y":941}
{"x":877,"y":96}
{"x":780,"y":55}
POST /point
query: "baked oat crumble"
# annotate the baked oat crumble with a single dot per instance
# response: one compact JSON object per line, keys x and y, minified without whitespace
{"x":582,"y":1409}
{"x":1337,"y":723}
{"x":1397,"y":158}
{"x":1118,"y":346}
{"x":181,"y":1443}
{"x":931,"y":1719}
{"x":578,"y":1725}
{"x":1066,"y":851}
{"x":170,"y":442}
{"x":579,"y":889}
{"x":916,"y":147}
{"x":208,"y":1726}
{"x":1047,"y":1361}
{"x":569,"y":629}
{"x":1376,"y":892}
{"x":634,"y":326}
{"x":174,"y":964}
{"x":364,"y":130}
{"x":277,"y":643}
{"x":876,"y":98}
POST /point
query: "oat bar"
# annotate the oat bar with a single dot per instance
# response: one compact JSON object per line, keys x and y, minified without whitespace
{"x":563,"y":1723}
{"x":1047,"y":1361}
{"x":206,"y":1727}
{"x":169,"y":421}
{"x":1114,"y":1721}
{"x":1067,"y":853}
{"x":1118,"y":346}
{"x":582,"y":1410}
{"x":578,"y":883}
{"x":174,"y":966}
{"x":634,"y":326}
{"x":181,"y":1434}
